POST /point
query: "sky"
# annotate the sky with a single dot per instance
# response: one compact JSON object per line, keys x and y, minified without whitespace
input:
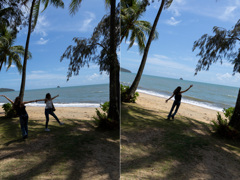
{"x":178,"y":27}
{"x":169,"y":56}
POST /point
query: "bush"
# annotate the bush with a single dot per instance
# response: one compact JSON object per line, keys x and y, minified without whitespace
{"x":124,"y":95}
{"x":221,"y":126}
{"x":9,"y":111}
{"x":228,"y":112}
{"x":102,"y":120}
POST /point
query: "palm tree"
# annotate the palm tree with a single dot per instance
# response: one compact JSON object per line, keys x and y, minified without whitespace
{"x":8,"y":53}
{"x":133,"y":88}
{"x":34,"y":11}
{"x":131,"y":12}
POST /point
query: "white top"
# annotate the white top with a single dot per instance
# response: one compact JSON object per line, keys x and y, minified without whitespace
{"x":49,"y":104}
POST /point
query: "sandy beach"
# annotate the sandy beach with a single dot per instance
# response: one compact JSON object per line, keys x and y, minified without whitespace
{"x":188,"y":110}
{"x":145,"y":100}
{"x":81,"y":113}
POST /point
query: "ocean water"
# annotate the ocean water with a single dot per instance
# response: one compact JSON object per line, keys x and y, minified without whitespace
{"x":206,"y":95}
{"x":77,"y":96}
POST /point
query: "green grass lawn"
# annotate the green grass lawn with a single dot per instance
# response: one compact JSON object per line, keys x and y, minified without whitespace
{"x":75,"y":150}
{"x":155,"y":148}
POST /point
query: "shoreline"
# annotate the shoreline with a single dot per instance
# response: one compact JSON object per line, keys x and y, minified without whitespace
{"x":148,"y":101}
{"x":157,"y":103}
{"x":79,"y":113}
{"x":184,"y":100}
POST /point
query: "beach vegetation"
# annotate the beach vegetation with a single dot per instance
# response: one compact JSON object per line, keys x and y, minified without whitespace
{"x":124,"y":96}
{"x":9,"y":111}
{"x":222,"y":128}
{"x":222,"y":45}
{"x":228,"y":112}
{"x":32,"y":22}
{"x":100,"y":48}
{"x":164,"y":5}
{"x":101,"y":119}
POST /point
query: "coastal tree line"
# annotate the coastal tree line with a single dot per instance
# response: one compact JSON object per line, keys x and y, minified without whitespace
{"x":122,"y":22}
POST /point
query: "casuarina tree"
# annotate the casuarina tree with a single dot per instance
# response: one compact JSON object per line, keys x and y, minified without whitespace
{"x":100,"y":48}
{"x":222,"y":45}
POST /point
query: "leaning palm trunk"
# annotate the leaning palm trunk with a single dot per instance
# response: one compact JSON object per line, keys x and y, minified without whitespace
{"x":137,"y":79}
{"x":22,"y":89}
{"x":114,"y":106}
{"x":235,"y":120}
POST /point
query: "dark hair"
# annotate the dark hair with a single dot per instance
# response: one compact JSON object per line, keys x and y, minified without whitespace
{"x":48,"y":96}
{"x":177,"y":90}
{"x":16,"y":103}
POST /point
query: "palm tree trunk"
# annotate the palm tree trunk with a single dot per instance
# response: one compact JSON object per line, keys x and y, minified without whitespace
{"x":22,"y":89}
{"x":114,"y":91}
{"x":1,"y":65}
{"x":137,"y":79}
{"x":235,"y":120}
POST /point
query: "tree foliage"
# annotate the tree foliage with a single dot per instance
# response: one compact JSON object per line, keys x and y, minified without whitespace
{"x":95,"y":49}
{"x":10,"y":53}
{"x":11,"y":14}
{"x":133,"y":28}
{"x":222,"y":45}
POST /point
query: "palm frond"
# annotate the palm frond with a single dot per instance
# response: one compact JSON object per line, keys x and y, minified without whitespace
{"x":74,"y":6}
{"x":36,"y":9}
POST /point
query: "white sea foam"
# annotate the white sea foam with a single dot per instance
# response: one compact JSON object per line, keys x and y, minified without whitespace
{"x":63,"y":105}
{"x":184,"y":100}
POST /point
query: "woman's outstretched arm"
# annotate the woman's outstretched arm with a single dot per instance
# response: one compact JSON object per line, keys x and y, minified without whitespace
{"x":25,"y":102}
{"x":40,"y":100}
{"x":169,"y":98}
{"x":55,"y":96}
{"x":186,"y":89}
{"x":7,"y":99}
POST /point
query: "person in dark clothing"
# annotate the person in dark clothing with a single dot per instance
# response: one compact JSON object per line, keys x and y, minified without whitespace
{"x":177,"y":93}
{"x":20,"y":108}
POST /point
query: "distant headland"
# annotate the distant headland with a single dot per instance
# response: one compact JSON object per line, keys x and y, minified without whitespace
{"x":6,"y":90}
{"x":125,"y":70}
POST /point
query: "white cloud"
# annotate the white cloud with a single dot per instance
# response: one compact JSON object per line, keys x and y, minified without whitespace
{"x":41,"y":75}
{"x":87,"y":22}
{"x":176,"y":7}
{"x":12,"y":66}
{"x":168,"y":63}
{"x":41,"y":27}
{"x":42,"y":41}
{"x":38,"y":72}
{"x":128,"y":42}
{"x":222,"y":77}
{"x":172,"y":21}
{"x":96,"y":76}
{"x":228,"y":13}
{"x":161,"y":56}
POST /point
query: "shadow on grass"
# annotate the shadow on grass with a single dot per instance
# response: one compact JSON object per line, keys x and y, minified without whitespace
{"x":66,"y":152}
{"x":177,"y":147}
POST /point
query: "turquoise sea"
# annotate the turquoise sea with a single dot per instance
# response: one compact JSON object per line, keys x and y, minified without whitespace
{"x":77,"y":96}
{"x":206,"y":95}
